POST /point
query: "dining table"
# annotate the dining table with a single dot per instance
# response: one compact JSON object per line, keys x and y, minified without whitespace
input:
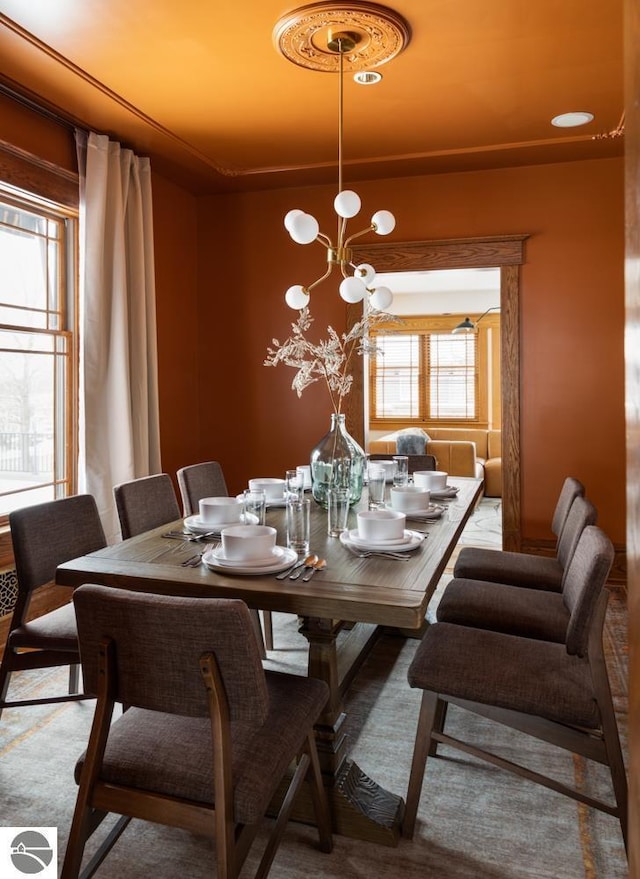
{"x":342,"y":611}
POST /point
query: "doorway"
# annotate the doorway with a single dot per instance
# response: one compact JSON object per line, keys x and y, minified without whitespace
{"x":507,"y":253}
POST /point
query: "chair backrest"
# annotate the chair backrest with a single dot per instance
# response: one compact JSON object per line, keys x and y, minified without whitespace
{"x":581,"y":514}
{"x":583,"y":584}
{"x":200,"y":480}
{"x":146,"y":503}
{"x":46,"y":535}
{"x":571,"y":489}
{"x":416,"y":462}
{"x":159,"y":640}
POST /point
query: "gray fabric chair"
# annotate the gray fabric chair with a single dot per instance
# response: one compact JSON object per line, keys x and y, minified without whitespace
{"x":44,"y":536}
{"x":532,"y":603}
{"x":557,"y":692}
{"x":151,"y":501}
{"x":145,"y":503}
{"x":207,"y":480}
{"x":416,"y":462}
{"x":208,"y":735}
{"x":200,"y":480}
{"x":518,"y":610}
{"x":522,"y":569}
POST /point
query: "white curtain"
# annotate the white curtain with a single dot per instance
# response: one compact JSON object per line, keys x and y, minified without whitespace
{"x":119,"y":430}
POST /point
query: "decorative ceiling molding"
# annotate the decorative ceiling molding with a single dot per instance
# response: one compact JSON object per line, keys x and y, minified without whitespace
{"x":303,"y":35}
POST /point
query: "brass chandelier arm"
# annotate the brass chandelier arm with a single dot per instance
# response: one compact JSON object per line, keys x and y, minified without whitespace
{"x":370,"y":228}
{"x":320,"y":280}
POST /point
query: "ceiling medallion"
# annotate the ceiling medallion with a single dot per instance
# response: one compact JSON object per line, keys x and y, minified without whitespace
{"x":304,"y":35}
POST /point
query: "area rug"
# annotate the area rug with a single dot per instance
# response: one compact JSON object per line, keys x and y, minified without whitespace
{"x":475,"y":821}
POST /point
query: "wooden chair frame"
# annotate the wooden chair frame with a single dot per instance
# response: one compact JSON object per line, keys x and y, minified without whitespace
{"x":233,"y":841}
{"x":601,"y":745}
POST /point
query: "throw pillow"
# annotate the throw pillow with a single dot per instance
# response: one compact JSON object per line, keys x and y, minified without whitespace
{"x":411,"y":444}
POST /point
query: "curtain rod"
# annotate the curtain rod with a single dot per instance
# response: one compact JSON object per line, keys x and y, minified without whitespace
{"x":31,"y":103}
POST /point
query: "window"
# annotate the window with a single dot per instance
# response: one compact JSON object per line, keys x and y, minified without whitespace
{"x":37,"y":350}
{"x":425,"y":374}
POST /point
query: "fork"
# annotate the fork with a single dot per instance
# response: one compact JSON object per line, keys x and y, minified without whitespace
{"x":369,"y":553}
{"x":194,"y":560}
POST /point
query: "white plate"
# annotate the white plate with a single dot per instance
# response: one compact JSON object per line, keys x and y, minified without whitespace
{"x":284,"y":558}
{"x":448,"y":492}
{"x":274,"y":556}
{"x":195,"y":524}
{"x":414,"y":541}
{"x":355,"y":537}
{"x":434,"y":511}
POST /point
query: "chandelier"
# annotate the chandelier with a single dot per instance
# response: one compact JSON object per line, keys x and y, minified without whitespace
{"x":322,"y":37}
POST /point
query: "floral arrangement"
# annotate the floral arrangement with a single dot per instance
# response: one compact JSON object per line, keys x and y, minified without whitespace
{"x":329,"y":359}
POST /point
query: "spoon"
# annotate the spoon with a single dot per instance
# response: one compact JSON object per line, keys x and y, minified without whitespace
{"x":299,"y":563}
{"x":318,"y":566}
{"x":309,"y":562}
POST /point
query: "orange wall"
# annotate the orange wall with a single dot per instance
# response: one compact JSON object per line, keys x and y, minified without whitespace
{"x":223,"y":264}
{"x":572,"y":319}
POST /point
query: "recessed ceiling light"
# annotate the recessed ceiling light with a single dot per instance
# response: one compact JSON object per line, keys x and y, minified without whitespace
{"x":572,"y":120}
{"x":367,"y":77}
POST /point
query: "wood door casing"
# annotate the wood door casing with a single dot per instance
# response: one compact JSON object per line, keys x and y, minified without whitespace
{"x":503,"y":252}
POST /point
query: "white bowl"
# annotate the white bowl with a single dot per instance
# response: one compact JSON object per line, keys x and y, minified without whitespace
{"x":216,"y":510}
{"x":375,"y":525}
{"x":272,"y":487}
{"x":243,"y":543}
{"x":410,"y":497}
{"x":434,"y":480}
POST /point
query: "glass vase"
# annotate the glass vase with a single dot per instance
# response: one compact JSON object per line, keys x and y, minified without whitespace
{"x":337,"y":461}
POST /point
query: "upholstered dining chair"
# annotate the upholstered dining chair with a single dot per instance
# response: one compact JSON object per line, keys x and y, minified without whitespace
{"x":532,"y":603}
{"x":145,"y":503}
{"x":151,"y":501}
{"x":556,"y":692}
{"x":516,"y":568}
{"x":416,"y":462}
{"x":518,"y":609}
{"x":200,"y":480}
{"x":207,"y":480}
{"x":208,"y":735}
{"x":44,"y":536}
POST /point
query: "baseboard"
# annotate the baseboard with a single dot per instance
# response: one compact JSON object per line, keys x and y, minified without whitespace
{"x":618,"y":575}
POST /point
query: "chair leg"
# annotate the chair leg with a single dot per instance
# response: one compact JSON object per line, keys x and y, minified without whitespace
{"x":5,"y":676}
{"x":255,"y":619}
{"x":438,"y":724}
{"x":267,"y":623}
{"x":319,"y":796}
{"x":428,"y":712}
{"x":74,"y":678}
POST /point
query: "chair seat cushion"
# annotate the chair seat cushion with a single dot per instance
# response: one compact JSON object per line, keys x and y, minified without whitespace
{"x":173,"y":755}
{"x":501,"y":608}
{"x":536,"y":677}
{"x":515,"y":568}
{"x":54,"y":631}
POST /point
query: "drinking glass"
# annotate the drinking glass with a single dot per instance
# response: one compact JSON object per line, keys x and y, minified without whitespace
{"x":294,"y":485}
{"x":254,"y":503}
{"x":337,"y":510}
{"x":401,"y":470}
{"x":377,"y":479}
{"x":298,"y":525}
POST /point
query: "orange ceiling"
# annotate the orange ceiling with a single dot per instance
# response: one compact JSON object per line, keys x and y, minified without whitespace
{"x":200,"y":87}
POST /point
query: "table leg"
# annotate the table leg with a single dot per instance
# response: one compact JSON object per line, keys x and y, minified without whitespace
{"x":360,"y":808}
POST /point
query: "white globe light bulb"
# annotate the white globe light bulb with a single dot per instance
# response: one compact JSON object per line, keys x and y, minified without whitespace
{"x":366,"y":273}
{"x":290,"y":217}
{"x":347,"y":203}
{"x":296,"y":297}
{"x":352,"y":290}
{"x":304,"y":228}
{"x":381,"y":298}
{"x":384,"y":221}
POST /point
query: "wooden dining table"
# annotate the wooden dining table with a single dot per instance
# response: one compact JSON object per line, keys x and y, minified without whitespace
{"x":342,"y":611}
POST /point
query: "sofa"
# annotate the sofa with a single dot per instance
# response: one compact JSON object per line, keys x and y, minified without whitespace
{"x":459,"y":451}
